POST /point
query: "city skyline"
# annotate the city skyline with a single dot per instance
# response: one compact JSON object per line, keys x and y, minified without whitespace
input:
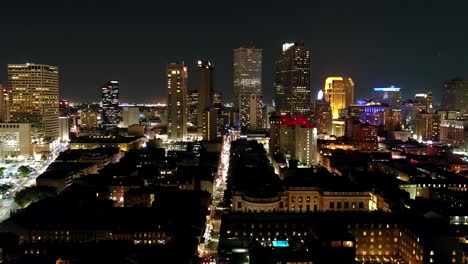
{"x":410,"y":52}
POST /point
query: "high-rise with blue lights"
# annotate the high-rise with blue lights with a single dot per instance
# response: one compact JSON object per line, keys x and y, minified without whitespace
{"x":388,"y":95}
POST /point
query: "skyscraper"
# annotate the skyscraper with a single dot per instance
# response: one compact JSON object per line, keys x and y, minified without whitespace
{"x":205,"y":89}
{"x":388,"y":95}
{"x":177,"y":101}
{"x":111,"y":114}
{"x":339,"y":92}
{"x":192,"y":105}
{"x":427,"y":126}
{"x":248,"y":85}
{"x":426,"y":100}
{"x":207,"y":114}
{"x":455,"y":95}
{"x":35,"y":92}
{"x":323,"y":117}
{"x":4,"y":104}
{"x":251,"y":114}
{"x":292,"y":81}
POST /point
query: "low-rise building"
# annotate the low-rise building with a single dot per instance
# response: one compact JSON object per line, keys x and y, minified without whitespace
{"x":15,"y":141}
{"x":92,"y":142}
{"x":62,"y":174}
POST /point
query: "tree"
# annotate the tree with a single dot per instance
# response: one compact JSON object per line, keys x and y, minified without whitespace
{"x":34,"y":194}
{"x":2,"y":171}
{"x":24,"y":171}
{"x":4,"y":188}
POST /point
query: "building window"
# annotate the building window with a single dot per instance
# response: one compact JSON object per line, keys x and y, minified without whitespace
{"x":239,"y":205}
{"x":281,"y":205}
{"x":346,"y":205}
{"x":332,"y":205}
{"x":308,"y":199}
{"x":361,"y":205}
{"x":338,"y":205}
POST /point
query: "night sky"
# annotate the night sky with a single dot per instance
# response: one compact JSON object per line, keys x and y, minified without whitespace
{"x":416,"y":46}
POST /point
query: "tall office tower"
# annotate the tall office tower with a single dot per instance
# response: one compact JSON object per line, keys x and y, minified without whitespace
{"x":449,"y":94}
{"x":455,"y":95}
{"x":388,"y":95}
{"x":210,"y":124}
{"x":274,"y":142}
{"x":205,"y":89}
{"x":35,"y":92}
{"x":177,"y":111}
{"x":207,"y":116}
{"x":427,"y":126}
{"x":218,"y":105}
{"x":292,"y":80}
{"x":5,"y":98}
{"x":251,"y":114}
{"x":305,"y":149}
{"x":247,"y":72}
{"x":130,"y":116}
{"x":425,"y":99}
{"x":192,"y":104}
{"x":339,"y":92}
{"x":111,"y":114}
{"x":323,"y":117}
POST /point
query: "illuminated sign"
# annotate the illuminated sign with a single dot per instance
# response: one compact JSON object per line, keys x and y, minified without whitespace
{"x":280,"y":243}
{"x":388,"y":89}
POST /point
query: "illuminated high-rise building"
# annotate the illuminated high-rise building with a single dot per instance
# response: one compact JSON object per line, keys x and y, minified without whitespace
{"x":35,"y":94}
{"x":322,"y":115}
{"x":388,"y":95}
{"x":455,"y":95}
{"x":248,"y":86}
{"x":5,"y":98}
{"x":218,"y":105}
{"x":192,"y":104}
{"x":111,"y":114}
{"x":251,"y":114}
{"x":292,"y":80}
{"x":426,"y":100}
{"x":177,"y":111}
{"x":247,"y":72}
{"x":339,"y":92}
{"x":428,"y":126}
{"x":207,"y":120}
{"x":205,"y":89}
